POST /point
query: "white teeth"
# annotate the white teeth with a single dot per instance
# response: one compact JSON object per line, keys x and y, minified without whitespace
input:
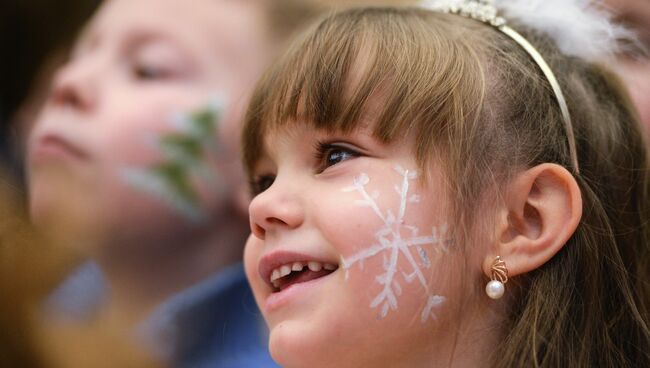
{"x":285,"y":270}
{"x":315,"y":266}
{"x":275,"y":275}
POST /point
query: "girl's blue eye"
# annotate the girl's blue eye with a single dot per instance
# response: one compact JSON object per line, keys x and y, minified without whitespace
{"x":336,"y":156}
{"x":331,"y":154}
{"x":261,"y":183}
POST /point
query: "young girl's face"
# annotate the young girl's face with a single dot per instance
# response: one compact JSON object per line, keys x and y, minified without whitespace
{"x":365,"y":237}
{"x":137,"y":65}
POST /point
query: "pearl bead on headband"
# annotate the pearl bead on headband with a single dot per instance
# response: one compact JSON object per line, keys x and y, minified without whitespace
{"x":485,"y":11}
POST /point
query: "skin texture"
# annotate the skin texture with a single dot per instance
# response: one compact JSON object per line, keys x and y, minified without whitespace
{"x":309,"y":207}
{"x":307,"y":210}
{"x":136,"y":66}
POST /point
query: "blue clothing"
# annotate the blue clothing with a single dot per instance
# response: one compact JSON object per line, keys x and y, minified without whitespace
{"x":80,"y":295}
{"x":214,"y":323}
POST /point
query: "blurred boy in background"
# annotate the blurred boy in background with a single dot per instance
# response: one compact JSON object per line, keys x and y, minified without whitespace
{"x":117,"y":170}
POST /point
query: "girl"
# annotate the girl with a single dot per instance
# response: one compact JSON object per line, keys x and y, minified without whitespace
{"x":406,"y":162}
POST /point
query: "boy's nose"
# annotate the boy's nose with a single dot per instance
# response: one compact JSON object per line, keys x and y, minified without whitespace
{"x":275,"y":209}
{"x":74,"y":87}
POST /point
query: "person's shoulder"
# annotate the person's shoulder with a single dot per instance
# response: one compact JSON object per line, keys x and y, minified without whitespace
{"x":214,"y":323}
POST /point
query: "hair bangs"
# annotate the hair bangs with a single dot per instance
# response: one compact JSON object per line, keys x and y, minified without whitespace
{"x":370,"y":68}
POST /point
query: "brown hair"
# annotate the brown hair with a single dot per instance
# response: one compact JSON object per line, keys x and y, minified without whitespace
{"x":476,"y":102}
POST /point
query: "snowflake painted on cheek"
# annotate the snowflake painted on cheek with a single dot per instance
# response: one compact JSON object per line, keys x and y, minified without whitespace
{"x":392,"y":245}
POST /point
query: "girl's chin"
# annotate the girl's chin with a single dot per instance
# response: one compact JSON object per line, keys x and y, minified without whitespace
{"x":291,"y":349}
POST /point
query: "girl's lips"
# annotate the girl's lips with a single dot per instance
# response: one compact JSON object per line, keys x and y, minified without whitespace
{"x":277,"y":259}
{"x":277,"y":299}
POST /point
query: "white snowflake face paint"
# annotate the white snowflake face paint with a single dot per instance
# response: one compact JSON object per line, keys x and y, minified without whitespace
{"x":132,"y":70}
{"x":350,"y":248}
{"x":392,"y":245}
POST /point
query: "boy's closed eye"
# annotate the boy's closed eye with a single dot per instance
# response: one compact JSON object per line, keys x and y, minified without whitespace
{"x":157,"y":60}
{"x":149,"y":72}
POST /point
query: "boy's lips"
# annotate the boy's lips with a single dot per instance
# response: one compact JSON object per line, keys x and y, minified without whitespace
{"x":281,"y":269}
{"x":55,"y":146}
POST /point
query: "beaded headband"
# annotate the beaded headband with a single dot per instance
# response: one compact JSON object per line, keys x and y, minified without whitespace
{"x":485,"y":11}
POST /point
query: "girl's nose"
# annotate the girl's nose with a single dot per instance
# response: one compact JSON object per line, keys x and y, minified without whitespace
{"x":75,"y":86}
{"x":275,"y":209}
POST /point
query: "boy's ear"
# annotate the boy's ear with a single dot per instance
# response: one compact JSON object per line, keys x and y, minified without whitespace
{"x":542,"y":209}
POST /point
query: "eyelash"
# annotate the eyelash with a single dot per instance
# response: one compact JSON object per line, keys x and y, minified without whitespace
{"x":322,"y":154}
{"x":324,"y":150}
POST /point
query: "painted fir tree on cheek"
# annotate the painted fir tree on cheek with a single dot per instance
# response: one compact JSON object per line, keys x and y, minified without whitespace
{"x":392,"y":244}
{"x":185,"y":154}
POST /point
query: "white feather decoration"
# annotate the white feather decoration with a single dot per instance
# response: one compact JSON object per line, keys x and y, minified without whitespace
{"x":581,"y":28}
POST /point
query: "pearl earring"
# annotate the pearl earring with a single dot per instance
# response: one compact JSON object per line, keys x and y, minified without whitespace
{"x":495,"y":289}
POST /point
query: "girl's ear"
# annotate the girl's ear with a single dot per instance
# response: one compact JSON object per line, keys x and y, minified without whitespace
{"x":542,"y":209}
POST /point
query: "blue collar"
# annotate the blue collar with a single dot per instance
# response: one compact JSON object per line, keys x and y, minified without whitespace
{"x":214,"y":323}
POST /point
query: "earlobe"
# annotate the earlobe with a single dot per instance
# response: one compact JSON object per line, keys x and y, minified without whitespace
{"x":542,"y":209}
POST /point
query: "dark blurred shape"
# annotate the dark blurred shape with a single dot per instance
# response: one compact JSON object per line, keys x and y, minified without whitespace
{"x":16,"y":248}
{"x":31,"y":31}
{"x":29,"y":268}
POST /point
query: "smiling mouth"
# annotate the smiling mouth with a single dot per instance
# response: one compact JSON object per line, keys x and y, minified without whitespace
{"x":298,"y":272}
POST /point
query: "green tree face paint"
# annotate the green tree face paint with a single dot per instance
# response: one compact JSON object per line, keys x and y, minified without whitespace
{"x":185,"y":156}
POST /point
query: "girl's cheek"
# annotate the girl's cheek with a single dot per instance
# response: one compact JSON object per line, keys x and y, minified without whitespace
{"x":392,"y":243}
